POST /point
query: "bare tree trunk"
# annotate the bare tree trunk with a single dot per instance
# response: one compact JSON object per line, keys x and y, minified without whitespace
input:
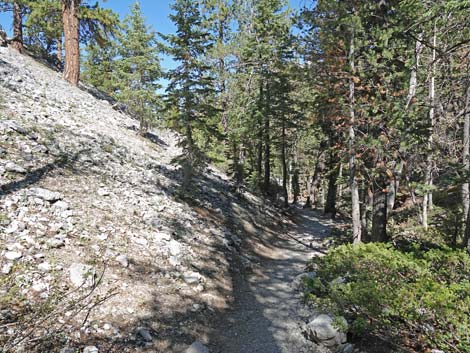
{"x":427,"y":198}
{"x":379,"y":217}
{"x":330,"y":205}
{"x":17,"y":41}
{"x":71,"y":36}
{"x":466,"y":164}
{"x":414,"y":72}
{"x":267,"y":155}
{"x":393,"y":187}
{"x":284,"y":165}
{"x":367,"y":205}
{"x":340,"y":186}
{"x":467,"y":232}
{"x":356,"y":212}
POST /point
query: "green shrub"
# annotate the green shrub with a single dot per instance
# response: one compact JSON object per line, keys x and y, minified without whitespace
{"x":418,"y":299}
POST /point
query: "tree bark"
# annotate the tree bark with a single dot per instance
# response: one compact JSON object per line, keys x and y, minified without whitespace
{"x":393,"y":187}
{"x":315,"y":180}
{"x":17,"y":41}
{"x":367,"y":204}
{"x":355,"y":214}
{"x":467,"y":232}
{"x":427,"y":198}
{"x":284,"y":165}
{"x":414,"y":72}
{"x":466,"y":165}
{"x":330,"y":205}
{"x":379,"y":217}
{"x":71,"y":38}
{"x":267,"y":155}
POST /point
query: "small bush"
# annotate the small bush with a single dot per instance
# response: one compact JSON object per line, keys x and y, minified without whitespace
{"x":416,"y":299}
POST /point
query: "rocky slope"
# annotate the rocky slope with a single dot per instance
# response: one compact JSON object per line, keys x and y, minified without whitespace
{"x":97,"y":253}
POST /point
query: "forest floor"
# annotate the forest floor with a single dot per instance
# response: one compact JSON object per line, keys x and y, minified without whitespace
{"x":265,"y":315}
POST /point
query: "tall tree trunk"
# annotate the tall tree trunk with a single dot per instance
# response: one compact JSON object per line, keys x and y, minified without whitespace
{"x":356,"y":215}
{"x":367,"y":203}
{"x":393,"y":187}
{"x":267,"y":155}
{"x":379,"y":215}
{"x":427,"y":199}
{"x":330,"y":205}
{"x":466,"y":164}
{"x":340,"y":186}
{"x":259,"y":160}
{"x":284,"y":164}
{"x":17,"y":42}
{"x":71,"y":37}
{"x":467,"y":232}
{"x":315,"y":180}
{"x":414,"y":72}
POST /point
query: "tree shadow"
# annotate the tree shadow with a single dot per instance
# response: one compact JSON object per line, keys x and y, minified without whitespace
{"x":38,"y":174}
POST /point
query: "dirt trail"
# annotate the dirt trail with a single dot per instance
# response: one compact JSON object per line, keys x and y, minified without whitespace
{"x":264,"y":318}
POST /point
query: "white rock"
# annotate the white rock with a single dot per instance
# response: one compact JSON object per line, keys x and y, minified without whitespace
{"x":61,"y":205}
{"x":141,"y":241}
{"x":174,"y":247}
{"x":55,"y":243}
{"x":82,"y":275}
{"x":174,"y":260}
{"x":6,"y":269}
{"x":162,"y":236}
{"x":15,"y":227}
{"x":103,"y":192}
{"x":322,"y":330}
{"x":39,"y":286}
{"x":13,"y":255}
{"x":45,"y":266}
{"x":197,"y":347}
{"x":192,"y":278}
{"x":123,"y":260}
{"x":90,"y":349}
{"x":45,"y":194}
{"x":15,"y":168}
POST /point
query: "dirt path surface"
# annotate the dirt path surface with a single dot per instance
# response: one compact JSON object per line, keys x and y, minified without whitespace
{"x":264,"y":317}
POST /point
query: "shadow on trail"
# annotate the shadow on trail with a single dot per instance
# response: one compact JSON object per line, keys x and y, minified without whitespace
{"x":263,"y":318}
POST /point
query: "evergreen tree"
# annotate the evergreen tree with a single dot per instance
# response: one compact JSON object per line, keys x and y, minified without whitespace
{"x":99,"y":67}
{"x":138,"y":68}
{"x":191,"y":85}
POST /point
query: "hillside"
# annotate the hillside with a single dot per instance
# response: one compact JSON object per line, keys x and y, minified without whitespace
{"x":83,"y":194}
{"x":89,"y":209}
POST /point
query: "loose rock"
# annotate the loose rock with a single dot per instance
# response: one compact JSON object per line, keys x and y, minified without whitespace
{"x":45,"y":194}
{"x":82,"y":275}
{"x":322,"y":330}
{"x":13,"y":255}
{"x":197,"y":347}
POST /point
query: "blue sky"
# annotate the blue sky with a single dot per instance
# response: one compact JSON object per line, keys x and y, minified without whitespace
{"x":155,"y":11}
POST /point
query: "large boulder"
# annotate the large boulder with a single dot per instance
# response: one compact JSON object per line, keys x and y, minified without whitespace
{"x":324,"y":330}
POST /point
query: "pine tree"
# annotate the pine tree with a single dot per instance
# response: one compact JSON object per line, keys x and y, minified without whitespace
{"x":138,"y":68}
{"x":99,"y":67}
{"x":191,"y":85}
